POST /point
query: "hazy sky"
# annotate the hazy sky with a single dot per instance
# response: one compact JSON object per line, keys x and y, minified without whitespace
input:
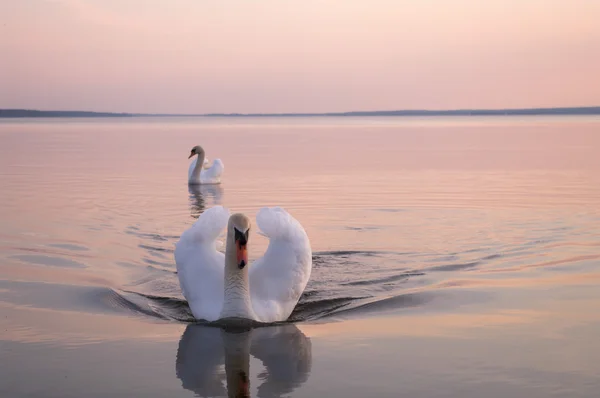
{"x":298,"y":56}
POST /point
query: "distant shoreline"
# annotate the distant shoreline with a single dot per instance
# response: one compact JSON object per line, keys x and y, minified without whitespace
{"x":593,"y":110}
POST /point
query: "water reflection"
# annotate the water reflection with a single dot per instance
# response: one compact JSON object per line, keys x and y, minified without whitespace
{"x":201,"y":194}
{"x":207,"y":356}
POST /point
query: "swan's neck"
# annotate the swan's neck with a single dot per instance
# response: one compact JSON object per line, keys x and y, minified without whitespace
{"x":199,"y":166}
{"x":237,"y":363}
{"x":236,"y":303}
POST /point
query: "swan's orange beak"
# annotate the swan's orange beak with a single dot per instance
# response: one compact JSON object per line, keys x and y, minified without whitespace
{"x":191,"y":154}
{"x":242,"y":254}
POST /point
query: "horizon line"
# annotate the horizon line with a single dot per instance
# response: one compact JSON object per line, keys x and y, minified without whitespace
{"x":582,"y":110}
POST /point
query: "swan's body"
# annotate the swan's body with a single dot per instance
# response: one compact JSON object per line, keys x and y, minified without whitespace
{"x":200,"y":172}
{"x":221,"y":286}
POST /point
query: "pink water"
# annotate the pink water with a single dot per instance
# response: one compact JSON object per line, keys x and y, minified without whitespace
{"x":453,"y":256}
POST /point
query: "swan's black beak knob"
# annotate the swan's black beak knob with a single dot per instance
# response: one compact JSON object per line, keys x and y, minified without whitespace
{"x":241,"y":240}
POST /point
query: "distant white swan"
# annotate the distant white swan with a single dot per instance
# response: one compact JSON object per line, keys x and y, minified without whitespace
{"x":223,"y":286}
{"x":200,"y":172}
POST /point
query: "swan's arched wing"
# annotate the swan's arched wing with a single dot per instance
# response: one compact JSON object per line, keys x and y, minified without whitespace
{"x":200,"y":266}
{"x":212,"y":174}
{"x":286,"y":354}
{"x":278,"y":279}
{"x":199,"y":358}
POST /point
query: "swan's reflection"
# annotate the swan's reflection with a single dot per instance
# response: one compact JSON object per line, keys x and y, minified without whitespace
{"x":200,"y":194}
{"x":208,"y":355}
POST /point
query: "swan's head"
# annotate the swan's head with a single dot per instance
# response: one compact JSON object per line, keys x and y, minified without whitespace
{"x":197,"y":150}
{"x":239,"y":230}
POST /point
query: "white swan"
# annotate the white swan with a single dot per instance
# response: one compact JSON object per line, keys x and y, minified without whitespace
{"x":199,"y":171}
{"x":220,"y":286}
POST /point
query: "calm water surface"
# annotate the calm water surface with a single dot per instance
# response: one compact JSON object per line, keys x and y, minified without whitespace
{"x":452,"y":257}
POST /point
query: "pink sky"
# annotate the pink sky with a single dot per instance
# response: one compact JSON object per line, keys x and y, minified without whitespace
{"x":298,"y":56}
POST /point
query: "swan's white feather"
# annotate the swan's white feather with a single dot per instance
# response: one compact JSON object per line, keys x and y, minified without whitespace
{"x":278,"y":279}
{"x":208,"y":175}
{"x":200,"y":267}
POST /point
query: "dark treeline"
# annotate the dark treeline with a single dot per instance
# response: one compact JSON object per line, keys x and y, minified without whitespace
{"x":34,"y":113}
{"x":23,"y":113}
{"x":458,"y":112}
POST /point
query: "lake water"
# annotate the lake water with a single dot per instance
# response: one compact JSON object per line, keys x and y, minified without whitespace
{"x":452,"y":257}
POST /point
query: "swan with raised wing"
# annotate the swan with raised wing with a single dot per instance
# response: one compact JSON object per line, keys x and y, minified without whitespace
{"x":200,"y":172}
{"x":221,"y":286}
